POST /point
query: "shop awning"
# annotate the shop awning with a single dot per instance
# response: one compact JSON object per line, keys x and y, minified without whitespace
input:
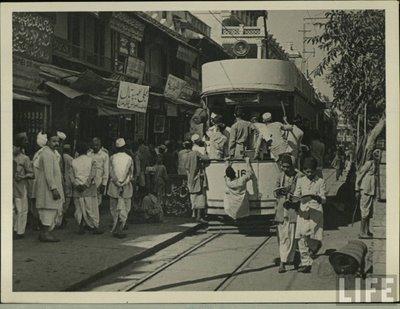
{"x":65,"y":90}
{"x":183,"y":102}
{"x":30,"y":98}
{"x":107,"y":106}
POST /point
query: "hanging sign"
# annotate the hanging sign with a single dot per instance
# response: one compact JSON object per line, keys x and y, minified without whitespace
{"x":135,"y":68}
{"x":133,"y":97}
{"x":185,"y":54}
{"x":174,"y":86}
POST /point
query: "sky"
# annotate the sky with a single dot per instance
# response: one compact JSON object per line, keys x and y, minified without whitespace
{"x":284,"y":26}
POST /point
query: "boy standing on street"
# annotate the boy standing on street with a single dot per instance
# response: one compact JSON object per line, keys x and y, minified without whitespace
{"x":310,"y":221}
{"x":286,"y":212}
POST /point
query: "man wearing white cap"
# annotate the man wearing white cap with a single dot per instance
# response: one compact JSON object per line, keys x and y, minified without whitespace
{"x":120,"y":189}
{"x":41,"y":141}
{"x":48,"y":187}
{"x":273,"y":133}
{"x":59,"y":152}
{"x":61,"y":138}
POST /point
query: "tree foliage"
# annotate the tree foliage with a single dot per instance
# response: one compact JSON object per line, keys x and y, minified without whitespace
{"x":354,"y":42}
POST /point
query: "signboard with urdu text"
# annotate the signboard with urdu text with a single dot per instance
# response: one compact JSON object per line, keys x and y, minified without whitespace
{"x":174,"y":86}
{"x":135,"y":68}
{"x":133,"y":97}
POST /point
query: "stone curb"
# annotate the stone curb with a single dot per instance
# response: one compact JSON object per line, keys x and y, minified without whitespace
{"x":144,"y":254}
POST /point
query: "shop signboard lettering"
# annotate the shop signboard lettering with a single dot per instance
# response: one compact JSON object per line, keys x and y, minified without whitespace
{"x":32,"y":36}
{"x":133,"y":97}
{"x":174,"y":87}
{"x":135,"y":68}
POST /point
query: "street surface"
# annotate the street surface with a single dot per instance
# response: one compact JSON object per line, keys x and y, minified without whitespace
{"x":230,"y":262}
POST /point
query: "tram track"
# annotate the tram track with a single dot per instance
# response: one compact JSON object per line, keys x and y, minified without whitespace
{"x":174,"y":261}
{"x":226,"y":280}
{"x":157,"y":279}
{"x":231,"y":277}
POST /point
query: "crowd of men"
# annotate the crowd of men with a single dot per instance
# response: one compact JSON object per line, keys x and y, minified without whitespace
{"x":56,"y":177}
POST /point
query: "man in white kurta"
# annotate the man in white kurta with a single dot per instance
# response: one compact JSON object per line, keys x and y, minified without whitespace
{"x":48,"y":188}
{"x":120,"y":189}
{"x":82,"y":175}
{"x":274,"y":134}
{"x":21,"y":173}
{"x":101,"y":159}
{"x":218,"y":142}
{"x":236,"y":199}
{"x":310,"y":221}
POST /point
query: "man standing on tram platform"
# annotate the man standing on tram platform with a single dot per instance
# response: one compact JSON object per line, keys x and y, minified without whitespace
{"x":242,"y":131}
{"x":254,"y":119}
{"x":274,"y":134}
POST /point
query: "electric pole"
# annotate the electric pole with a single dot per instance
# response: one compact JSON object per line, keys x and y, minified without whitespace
{"x":304,"y":31}
{"x":304,"y":61}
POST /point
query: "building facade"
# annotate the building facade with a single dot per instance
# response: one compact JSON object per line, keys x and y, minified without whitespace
{"x":243,"y":30}
{"x":68,"y":68}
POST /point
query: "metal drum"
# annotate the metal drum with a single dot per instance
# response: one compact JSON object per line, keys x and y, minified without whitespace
{"x":350,"y":258}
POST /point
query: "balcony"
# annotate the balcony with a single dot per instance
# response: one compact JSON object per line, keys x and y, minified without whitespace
{"x":65,"y":48}
{"x":242,"y":31}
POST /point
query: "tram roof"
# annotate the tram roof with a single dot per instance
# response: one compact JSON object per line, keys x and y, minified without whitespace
{"x":254,"y":75}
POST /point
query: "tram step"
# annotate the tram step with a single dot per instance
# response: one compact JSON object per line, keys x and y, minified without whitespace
{"x":223,"y":232}
{"x":222,"y":227}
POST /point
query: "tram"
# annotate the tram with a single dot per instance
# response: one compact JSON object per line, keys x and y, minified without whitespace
{"x":259,"y":85}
